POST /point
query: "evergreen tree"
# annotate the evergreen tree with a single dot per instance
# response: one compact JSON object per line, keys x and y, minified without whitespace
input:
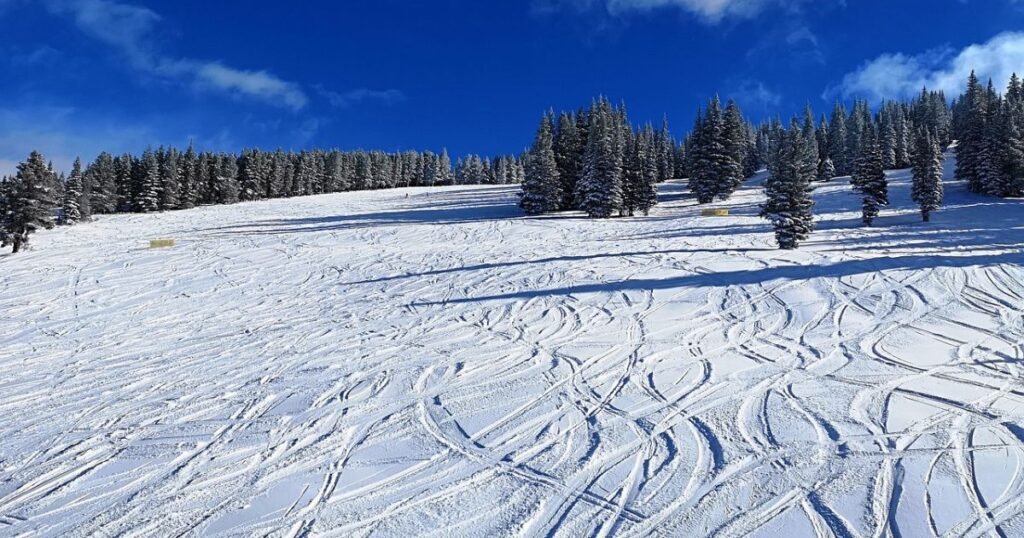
{"x":541,"y":191}
{"x":170,"y":179}
{"x":568,"y":159}
{"x":75,"y":202}
{"x":188,"y":190}
{"x":827,"y":171}
{"x":837,"y":142}
{"x":869,"y":178}
{"x":734,"y":135}
{"x":147,"y":196}
{"x":927,"y":188}
{"x":789,"y":205}
{"x":29,"y":201}
{"x":970,"y":147}
{"x":601,"y":185}
{"x":102,"y":178}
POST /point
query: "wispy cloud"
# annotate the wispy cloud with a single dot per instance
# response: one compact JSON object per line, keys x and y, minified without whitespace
{"x":710,"y":11}
{"x":129,"y":29}
{"x":754,"y":95}
{"x":361,"y":95}
{"x":900,"y":75}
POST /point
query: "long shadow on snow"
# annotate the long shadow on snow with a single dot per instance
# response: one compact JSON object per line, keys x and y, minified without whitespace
{"x":583,"y":257}
{"x":728,"y":278}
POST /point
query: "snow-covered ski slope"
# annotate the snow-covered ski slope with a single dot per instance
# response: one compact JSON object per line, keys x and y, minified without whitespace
{"x":429,"y":363}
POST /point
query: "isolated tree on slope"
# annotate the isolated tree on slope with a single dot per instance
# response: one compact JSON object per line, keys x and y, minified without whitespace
{"x":74,"y":197}
{"x":869,"y":178}
{"x":30,"y":199}
{"x":788,"y":189}
{"x":541,"y":192}
{"x":927,"y":189}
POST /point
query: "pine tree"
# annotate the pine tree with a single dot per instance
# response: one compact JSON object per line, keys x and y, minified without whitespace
{"x":927,"y":188}
{"x":30,"y":199}
{"x":789,"y":205}
{"x":734,"y":140}
{"x":837,"y":142}
{"x":827,"y":171}
{"x":188,"y":190}
{"x":664,"y":152}
{"x":74,"y":196}
{"x":102,"y":178}
{"x":600,"y":189}
{"x":170,"y":179}
{"x":541,"y":192}
{"x":148,"y":191}
{"x":568,"y":159}
{"x":970,"y":147}
{"x":869,"y":178}
{"x":646,"y":192}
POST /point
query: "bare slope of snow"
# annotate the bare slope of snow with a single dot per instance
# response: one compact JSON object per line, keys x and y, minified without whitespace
{"x":433,"y":364}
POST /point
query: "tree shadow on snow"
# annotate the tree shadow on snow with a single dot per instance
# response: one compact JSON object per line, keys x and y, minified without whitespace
{"x":756,"y":276}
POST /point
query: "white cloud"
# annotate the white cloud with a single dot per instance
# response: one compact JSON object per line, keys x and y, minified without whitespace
{"x":901,"y":75}
{"x":354,"y":97}
{"x":129,"y":29}
{"x":255,"y":83}
{"x":711,"y":11}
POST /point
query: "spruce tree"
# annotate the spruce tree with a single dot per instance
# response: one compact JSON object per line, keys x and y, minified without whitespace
{"x":170,"y":179}
{"x":734,"y":140}
{"x":789,"y":205}
{"x":568,"y":159}
{"x":927,"y":188}
{"x":647,"y":189}
{"x":837,"y":135}
{"x":541,"y":191}
{"x":827,"y":171}
{"x":148,"y":191}
{"x":30,"y":199}
{"x":74,"y":196}
{"x":970,"y":147}
{"x":870,"y":178}
{"x":600,"y":189}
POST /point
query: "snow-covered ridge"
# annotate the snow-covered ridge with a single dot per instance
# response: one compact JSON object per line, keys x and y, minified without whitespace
{"x":428,"y":362}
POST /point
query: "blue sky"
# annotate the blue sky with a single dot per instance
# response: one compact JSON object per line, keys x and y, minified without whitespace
{"x":80,"y":76}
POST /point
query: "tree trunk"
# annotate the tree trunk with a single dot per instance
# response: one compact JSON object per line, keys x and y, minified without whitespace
{"x":17,"y":243}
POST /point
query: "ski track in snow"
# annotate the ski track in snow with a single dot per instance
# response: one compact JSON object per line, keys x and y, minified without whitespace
{"x":377,"y":364}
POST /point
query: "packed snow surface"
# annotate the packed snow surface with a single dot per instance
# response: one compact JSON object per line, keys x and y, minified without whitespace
{"x":427,"y":362}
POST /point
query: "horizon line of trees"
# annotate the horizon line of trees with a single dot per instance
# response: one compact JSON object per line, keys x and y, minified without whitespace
{"x":593,"y":160}
{"x":167,"y":179}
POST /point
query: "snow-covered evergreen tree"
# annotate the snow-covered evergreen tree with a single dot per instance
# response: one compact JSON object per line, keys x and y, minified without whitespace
{"x":971,"y":145}
{"x":869,"y":178}
{"x":837,"y":135}
{"x":600,"y":188}
{"x":827,"y":171}
{"x":541,"y":191}
{"x":29,"y":201}
{"x":568,"y":159}
{"x":148,"y":192}
{"x":170,"y":179}
{"x":789,"y":205}
{"x":927,"y":188}
{"x":75,"y":201}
